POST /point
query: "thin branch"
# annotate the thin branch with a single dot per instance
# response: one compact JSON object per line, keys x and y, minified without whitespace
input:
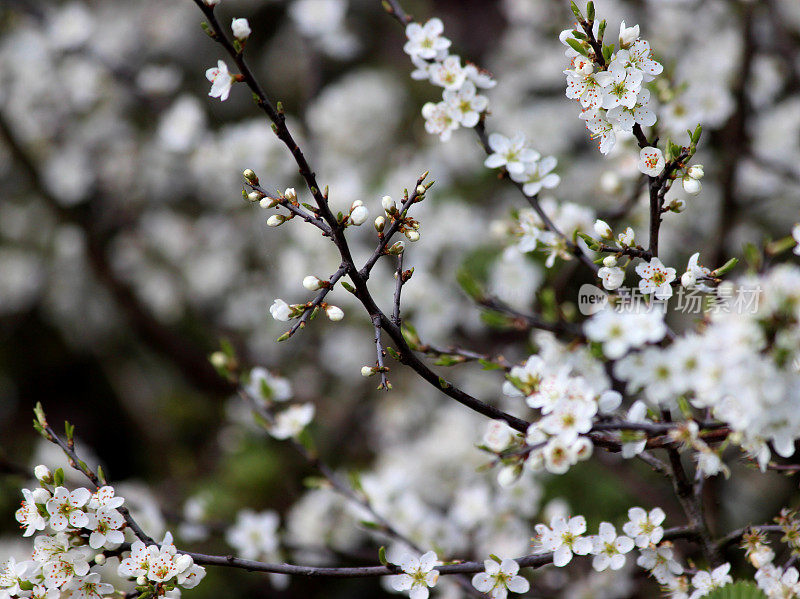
{"x":359,"y":278}
{"x":385,"y":384}
{"x":312,"y":306}
{"x":398,"y":288}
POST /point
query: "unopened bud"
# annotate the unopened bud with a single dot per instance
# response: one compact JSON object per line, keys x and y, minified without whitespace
{"x":290,"y":194}
{"x":696,"y":171}
{"x":141,"y":580}
{"x":609,"y":261}
{"x":276,"y":220}
{"x":241,"y":29}
{"x":359,"y":215}
{"x":312,"y":283}
{"x":334,"y":313}
{"x":688,"y":279}
{"x":42,"y":473}
{"x":250,"y":176}
{"x":397,"y":248}
{"x":603,"y":229}
{"x":255,"y":196}
{"x":356,"y":204}
{"x":691,"y":186}
{"x":367,"y":371}
{"x":380,"y":223}
{"x":100,"y":559}
{"x":269,"y":202}
{"x":412,"y":235}
{"x":677,"y":205}
{"x":218,"y":359}
{"x":388,"y":204}
{"x":421,"y":190}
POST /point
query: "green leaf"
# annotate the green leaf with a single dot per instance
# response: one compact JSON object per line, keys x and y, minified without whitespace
{"x":449,"y":360}
{"x":780,"y":245}
{"x":58,"y":477}
{"x":738,"y":590}
{"x":601,"y":31}
{"x":38,"y":411}
{"x":393,"y":353}
{"x":382,"y":556}
{"x":101,"y":475}
{"x":608,"y":50}
{"x":348,"y":286}
{"x":443,"y":383}
{"x":469,"y":283}
{"x":590,"y":11}
{"x":577,"y":46}
{"x":487,"y":365}
{"x":726,"y":268}
{"x":576,"y":11}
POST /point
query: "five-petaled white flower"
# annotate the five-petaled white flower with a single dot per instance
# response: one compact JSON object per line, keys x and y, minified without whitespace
{"x":498,"y":579}
{"x":464,"y":104}
{"x":564,"y":538}
{"x":28,"y":515}
{"x":656,"y":278}
{"x":221,"y":81}
{"x":426,"y":41}
{"x":418,"y":575}
{"x":510,"y":153}
{"x":651,"y":161}
{"x":705,"y":582}
{"x":612,"y":277}
{"x":65,"y":508}
{"x":609,"y":549}
{"x":645,"y":528}
{"x":291,"y":421}
{"x":537,"y":175}
{"x":105,"y":525}
{"x":660,"y":561}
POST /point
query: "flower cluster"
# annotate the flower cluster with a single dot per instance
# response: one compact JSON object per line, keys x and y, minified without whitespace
{"x":524,"y":165}
{"x":461,"y":104}
{"x":79,"y":526}
{"x":610,"y":88}
{"x":565,"y":538}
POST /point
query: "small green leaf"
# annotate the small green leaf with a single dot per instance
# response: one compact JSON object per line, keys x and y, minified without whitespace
{"x":382,"y":556}
{"x":576,"y":11}
{"x":443,"y":383}
{"x":577,"y":46}
{"x":58,"y":477}
{"x":369,"y":524}
{"x":487,"y":365}
{"x":590,"y":11}
{"x":101,"y":475}
{"x":449,"y":360}
{"x":608,"y":50}
{"x":726,"y":268}
{"x":393,"y":353}
{"x":348,"y":286}
{"x":780,"y":245}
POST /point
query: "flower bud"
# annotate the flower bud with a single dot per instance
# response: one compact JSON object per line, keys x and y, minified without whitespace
{"x":255,"y":196}
{"x":421,"y":190}
{"x":367,"y":371}
{"x":276,"y":220}
{"x":609,"y":261}
{"x":241,"y":29}
{"x":388,"y":204}
{"x":688,"y":279}
{"x":100,"y":559}
{"x":312,"y":283}
{"x":250,"y":176}
{"x":218,"y":359}
{"x":334,"y":313}
{"x":696,"y":171}
{"x":397,"y":248}
{"x":42,"y":473}
{"x":603,"y":229}
{"x":691,"y":186}
{"x":269,"y":202}
{"x":356,"y":204}
{"x":380,"y":223}
{"x":412,"y":235}
{"x":359,"y":215}
{"x":290,"y":194}
{"x":677,"y":205}
{"x":141,"y":580}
